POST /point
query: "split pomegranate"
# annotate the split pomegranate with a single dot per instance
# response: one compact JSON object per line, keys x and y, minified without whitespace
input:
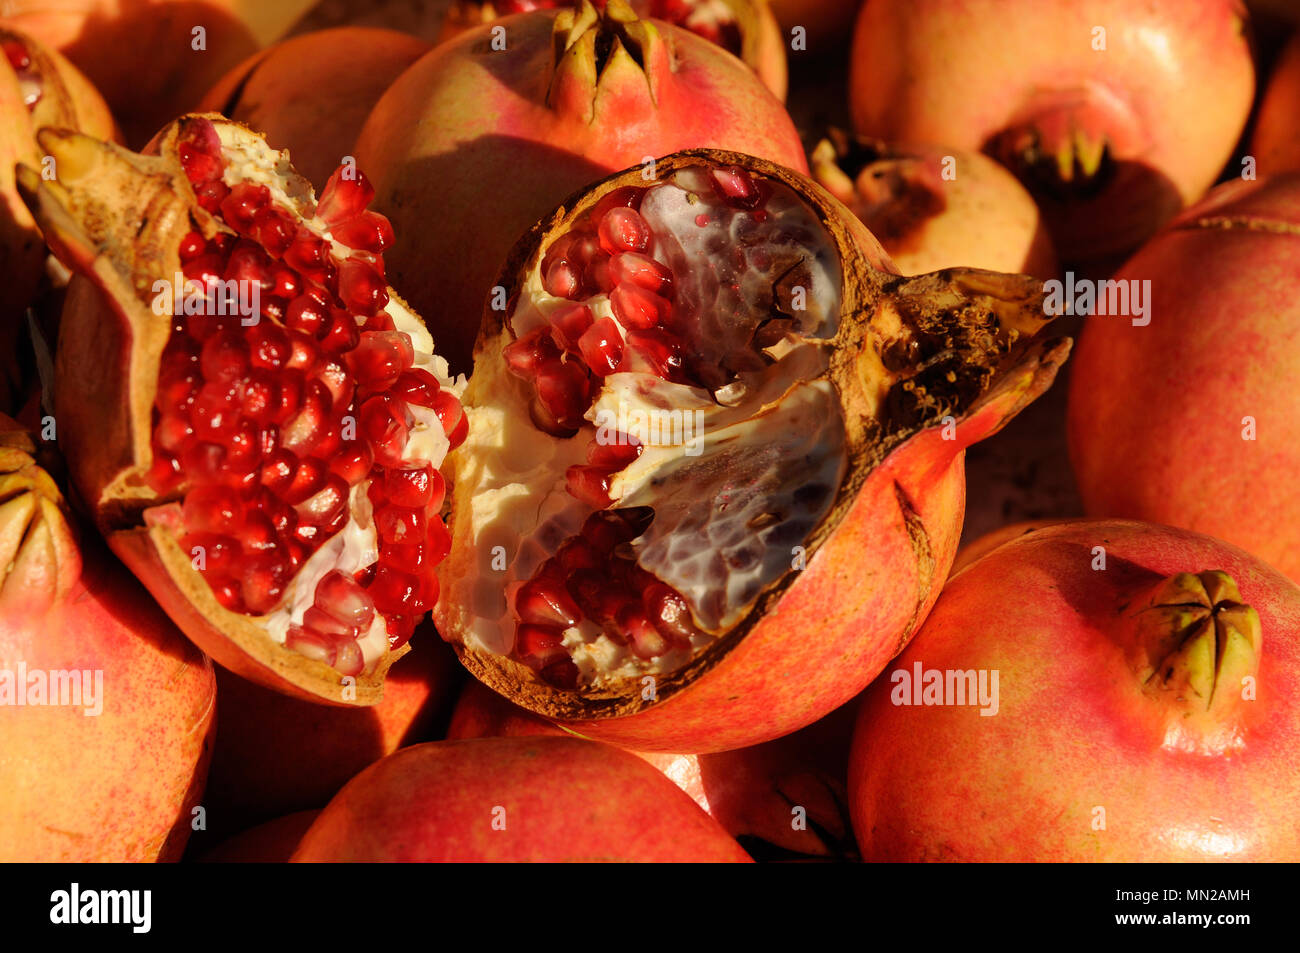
{"x":493,"y":139}
{"x":1189,"y":417}
{"x":1113,"y":115}
{"x":933,"y":208}
{"x":744,"y":28}
{"x":254,"y":419}
{"x":311,"y":94}
{"x":714,"y":471}
{"x":38,"y":87}
{"x":1147,"y":701}
{"x":106,"y":713}
{"x":514,"y":800}
{"x":1276,"y":140}
{"x":784,"y":796}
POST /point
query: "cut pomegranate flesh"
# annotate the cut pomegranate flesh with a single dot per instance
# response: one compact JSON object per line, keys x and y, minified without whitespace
{"x":266,"y":425}
{"x":684,"y":294}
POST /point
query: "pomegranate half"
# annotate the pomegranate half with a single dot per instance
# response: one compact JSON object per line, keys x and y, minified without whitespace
{"x":511,"y":800}
{"x":713,"y":477}
{"x":106,"y":713}
{"x":473,"y":144}
{"x":1142,"y":685}
{"x":1114,"y":115}
{"x":253,"y":419}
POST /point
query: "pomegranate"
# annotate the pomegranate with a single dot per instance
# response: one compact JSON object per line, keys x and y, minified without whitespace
{"x":105,"y":711}
{"x":311,"y":94}
{"x":1113,"y":115}
{"x":744,"y":28}
{"x":491,"y":140}
{"x":314,"y":750}
{"x":784,"y":796}
{"x":1276,"y":140}
{"x":38,"y":87}
{"x":253,"y":418}
{"x":512,"y":800}
{"x":144,"y":55}
{"x":705,"y":409}
{"x":1147,"y":703}
{"x":1003,"y":534}
{"x":932,"y":208}
{"x":1192,"y":419}
{"x":271,"y":843}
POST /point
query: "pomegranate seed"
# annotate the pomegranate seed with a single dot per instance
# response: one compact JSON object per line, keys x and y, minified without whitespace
{"x":258,"y":532}
{"x":278,"y":471}
{"x":339,"y":595}
{"x":280,"y":514}
{"x":524,"y":356}
{"x":285,"y":283}
{"x":220,"y":553}
{"x":411,"y":487}
{"x":735,"y":186}
{"x":563,"y":279}
{"x":449,"y":413}
{"x":569,"y":324}
{"x":308,"y":477}
{"x":626,"y":197}
{"x":597,"y":599}
{"x":394,"y":590}
{"x":379,"y":422}
{"x":405,"y":556}
{"x":346,"y":195}
{"x":324,"y":508}
{"x":348,"y":659}
{"x":224,"y":357}
{"x":397,"y":524}
{"x":353,"y":461}
{"x":577,"y":553}
{"x":623,"y":229}
{"x":599,"y":275}
{"x":368,"y":231}
{"x":244,"y":451}
{"x":268,"y":346}
{"x":16,"y":53}
{"x":637,"y":308}
{"x":563,"y":392}
{"x":226,"y":592}
{"x":248,"y":262}
{"x":200,"y":151}
{"x":338,"y":382}
{"x":215,"y":412}
{"x":318,"y":620}
{"x":361,"y":288}
{"x":668,"y":612}
{"x":400,"y":630}
{"x":643,"y":272}
{"x":614,"y":454}
{"x":164,"y":474}
{"x":173,"y":433}
{"x":308,"y":253}
{"x":379,"y":358}
{"x":546,"y":602}
{"x":539,"y":645}
{"x":211,"y":509}
{"x":590,"y":484}
{"x":331,"y":440}
{"x":305,"y":429}
{"x":310,"y":644}
{"x":211,"y":194}
{"x":644,"y":639}
{"x":342,"y":333}
{"x":307,"y":313}
{"x":601,"y":347}
{"x":273,"y":231}
{"x":606,"y":529}
{"x":417,"y":386}
{"x":240,"y":207}
{"x":290,"y":395}
{"x":206,"y":269}
{"x":437,"y":542}
{"x":661,"y":352}
{"x":192,"y":246}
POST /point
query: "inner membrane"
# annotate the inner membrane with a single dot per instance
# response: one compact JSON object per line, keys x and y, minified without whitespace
{"x":674,"y":344}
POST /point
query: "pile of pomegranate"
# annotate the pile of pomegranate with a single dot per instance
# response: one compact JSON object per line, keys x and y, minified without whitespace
{"x":418,"y":419}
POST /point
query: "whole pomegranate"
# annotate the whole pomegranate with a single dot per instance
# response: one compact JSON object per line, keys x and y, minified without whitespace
{"x":785,"y":795}
{"x":38,"y":87}
{"x":511,"y":800}
{"x":1192,"y":419}
{"x":744,"y":28}
{"x":106,"y":713}
{"x":1114,"y":115}
{"x":271,"y":843}
{"x":189,"y":44}
{"x":491,"y":139}
{"x":276,"y":754}
{"x":1276,"y":139}
{"x":311,"y":94}
{"x":933,"y":208}
{"x":1143,"y":685}
{"x":254,"y":421}
{"x":713,"y":477}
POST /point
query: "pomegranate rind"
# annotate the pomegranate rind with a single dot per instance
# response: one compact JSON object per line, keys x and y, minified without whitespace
{"x":564,"y":800}
{"x":902,"y":502}
{"x":107,"y":364}
{"x":928,"y":782}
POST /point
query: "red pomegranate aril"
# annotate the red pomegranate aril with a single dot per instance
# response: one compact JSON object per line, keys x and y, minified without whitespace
{"x":569,"y":324}
{"x":285,"y":283}
{"x":224,"y":357}
{"x":192,"y":246}
{"x":346,"y":194}
{"x":668,"y":612}
{"x":278,"y":471}
{"x":305,"y":429}
{"x":458,"y":433}
{"x":408,"y":557}
{"x":590,"y":484}
{"x":338,"y":382}
{"x":215,"y":412}
{"x":577,"y":553}
{"x":20,"y":59}
{"x":617,"y":453}
{"x":545,"y":601}
{"x":258,"y":534}
{"x":400,"y":630}
{"x":211,"y":509}
{"x":240,"y":207}
{"x":561,"y":673}
{"x":263,"y":580}
{"x":331,"y":440}
{"x":307,"y":313}
{"x":601,"y":347}
{"x":348,"y":658}
{"x":260,"y":398}
{"x":437,"y":541}
{"x":226,"y":592}
{"x":524,"y":356}
{"x":211,"y":194}
{"x":325,"y":506}
{"x":637,"y":308}
{"x":311,"y":644}
{"x":624,"y":197}
{"x":219,"y":555}
{"x":450,"y":414}
{"x":606,"y":529}
{"x":268,"y":346}
{"x":563,"y":279}
{"x":417,"y":386}
{"x":317,"y":620}
{"x":411,"y":487}
{"x":393,"y":590}
{"x":361,"y":288}
{"x":164,"y":474}
{"x":623,"y":229}
{"x":273,"y":231}
{"x":599,"y":600}
{"x":399,"y":524}
{"x":173,"y":433}
{"x":368,"y":231}
{"x":736,"y":186}
{"x":539,"y":645}
{"x":339,"y":595}
{"x":379,"y":423}
{"x":642,"y":271}
{"x":562,"y":389}
{"x":281,"y":516}
{"x":244,"y":451}
{"x":661,"y":351}
{"x":200,"y":153}
{"x":206,"y":269}
{"x":342,"y":333}
{"x":644,"y":639}
{"x":379,"y":359}
{"x":308,"y":253}
{"x":248,"y":263}
{"x":304,"y":352}
{"x":289,"y":394}
{"x":308,"y":477}
{"x":353,"y":462}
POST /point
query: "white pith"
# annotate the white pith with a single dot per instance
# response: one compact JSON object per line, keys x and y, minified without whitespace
{"x":514,"y":475}
{"x":356,"y":546}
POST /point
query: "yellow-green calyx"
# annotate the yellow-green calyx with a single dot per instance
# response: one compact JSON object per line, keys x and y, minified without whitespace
{"x":1198,"y":642}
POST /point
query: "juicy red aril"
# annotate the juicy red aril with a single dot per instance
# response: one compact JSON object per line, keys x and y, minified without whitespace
{"x":306,"y":313}
{"x":346,"y":195}
{"x":352,"y":462}
{"x":268,"y":346}
{"x":601,"y":347}
{"x":311,"y":644}
{"x":577,"y":553}
{"x":614,"y":454}
{"x":368,"y":231}
{"x":661,"y":351}
{"x":192,"y":246}
{"x":379,"y":423}
{"x":545,"y":601}
{"x":524,"y":356}
{"x":379,"y":359}
{"x":412,"y":487}
{"x":16,"y":53}
{"x":736,"y":186}
{"x":643,"y":638}
{"x":590,"y":484}
{"x":273,"y":231}
{"x":340,"y":596}
{"x":361,"y":288}
{"x":308,"y":477}
{"x":451,"y":415}
{"x":637,"y":308}
{"x":398,"y":524}
{"x":417,"y":386}
{"x":668,"y":612}
{"x":623,"y":229}
{"x":563,"y":278}
{"x":625,"y":197}
{"x":606,"y":529}
{"x":538,"y":645}
{"x":569,"y":324}
{"x":394,"y":590}
{"x":562,"y":389}
{"x":437,"y":541}
{"x":308,"y":253}
{"x":241,"y":206}
{"x":643,"y":272}
{"x":341,"y":334}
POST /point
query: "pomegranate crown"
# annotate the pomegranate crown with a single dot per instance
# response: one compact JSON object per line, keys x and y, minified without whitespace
{"x":39,"y":560}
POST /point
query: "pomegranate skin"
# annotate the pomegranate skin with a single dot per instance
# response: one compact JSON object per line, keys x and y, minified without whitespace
{"x":752,"y":792}
{"x":1019,"y":78}
{"x":1159,"y":416}
{"x":1076,"y":744}
{"x":514,"y":800}
{"x":276,"y":754}
{"x":117,"y":786}
{"x":493,"y":140}
{"x":1276,"y":140}
{"x":311,"y":94}
{"x":271,"y":843}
